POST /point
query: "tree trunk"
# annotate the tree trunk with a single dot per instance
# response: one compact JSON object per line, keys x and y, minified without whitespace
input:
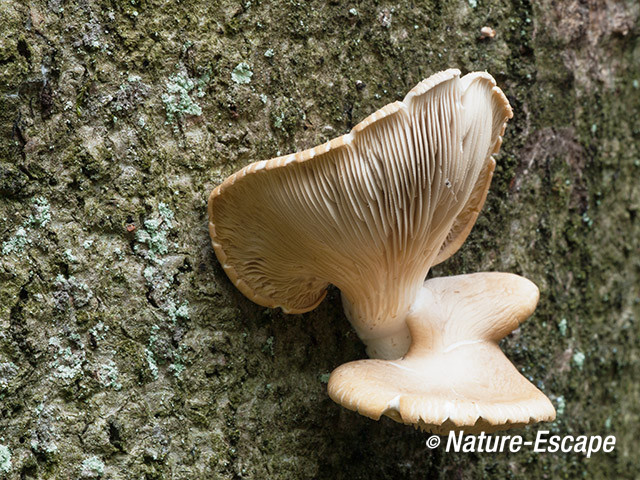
{"x":125,"y":352}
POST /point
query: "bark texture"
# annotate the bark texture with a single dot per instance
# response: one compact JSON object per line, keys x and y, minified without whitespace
{"x":125,"y":352}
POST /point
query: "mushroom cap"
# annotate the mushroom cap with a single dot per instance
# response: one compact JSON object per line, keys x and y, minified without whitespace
{"x":454,"y":377}
{"x":369,"y":211}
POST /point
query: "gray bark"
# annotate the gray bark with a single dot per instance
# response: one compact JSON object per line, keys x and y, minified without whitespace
{"x":125,"y":352}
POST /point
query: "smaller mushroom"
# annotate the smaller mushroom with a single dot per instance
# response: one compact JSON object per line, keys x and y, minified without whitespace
{"x":454,"y":376}
{"x":487,"y":32}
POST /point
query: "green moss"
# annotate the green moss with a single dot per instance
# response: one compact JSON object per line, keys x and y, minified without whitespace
{"x":562,"y":211}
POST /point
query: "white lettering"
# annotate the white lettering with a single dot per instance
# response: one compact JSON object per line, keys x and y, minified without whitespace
{"x":515,"y":442}
{"x":592,"y":448}
{"x":581,"y":444}
{"x":609,"y":441}
{"x":452,"y":441}
{"x":554,"y":444}
{"x":496,"y":441}
{"x":540,"y":440}
{"x":481,"y":439}
{"x":586,"y":445}
{"x":469,"y":444}
{"x":563,"y":446}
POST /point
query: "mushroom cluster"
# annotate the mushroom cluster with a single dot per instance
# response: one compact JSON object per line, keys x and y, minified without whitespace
{"x":371,"y":212}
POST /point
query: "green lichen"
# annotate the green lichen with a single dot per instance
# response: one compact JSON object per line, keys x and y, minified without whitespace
{"x":561,"y":404}
{"x":40,"y":217}
{"x":108,"y":375}
{"x":149,"y":355}
{"x":8,"y":370}
{"x":178,"y":366}
{"x":268,"y":346}
{"x":5,"y":459}
{"x":67,"y":364}
{"x":148,"y":273}
{"x":155,"y":232}
{"x":178,"y":100}
{"x":77,"y":289}
{"x":151,"y":363}
{"x":562,"y":327}
{"x":210,"y":421}
{"x":177,"y":312}
{"x":69,"y":256}
{"x":166,"y":214}
{"x":242,"y":73}
{"x":99,"y":332}
{"x":155,"y":237}
{"x":578,"y":359}
{"x":92,"y":467}
{"x":153,"y":336}
{"x":278,"y":119}
{"x":44,"y":435}
{"x":42,"y":213}
{"x":607,"y":423}
{"x":47,"y":448}
{"x":17,"y":243}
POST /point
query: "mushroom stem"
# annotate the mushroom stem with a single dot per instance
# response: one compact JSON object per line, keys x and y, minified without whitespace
{"x":454,"y":375}
{"x":382,"y":329}
{"x":391,"y":340}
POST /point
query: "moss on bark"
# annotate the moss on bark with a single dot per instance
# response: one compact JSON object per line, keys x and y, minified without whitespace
{"x":124,"y":350}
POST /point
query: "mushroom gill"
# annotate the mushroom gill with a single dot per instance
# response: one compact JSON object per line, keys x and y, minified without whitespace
{"x":369,"y":212}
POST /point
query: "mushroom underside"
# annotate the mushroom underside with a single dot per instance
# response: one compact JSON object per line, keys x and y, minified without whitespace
{"x":471,"y":387}
{"x":369,"y":211}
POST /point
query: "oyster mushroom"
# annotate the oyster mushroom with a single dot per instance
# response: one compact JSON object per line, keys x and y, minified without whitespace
{"x":369,"y":212}
{"x":454,"y":376}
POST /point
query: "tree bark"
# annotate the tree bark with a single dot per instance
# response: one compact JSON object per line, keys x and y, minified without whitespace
{"x":125,"y":352}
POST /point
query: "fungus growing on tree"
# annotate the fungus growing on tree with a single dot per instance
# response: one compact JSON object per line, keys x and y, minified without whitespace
{"x":454,"y":376}
{"x":369,"y":212}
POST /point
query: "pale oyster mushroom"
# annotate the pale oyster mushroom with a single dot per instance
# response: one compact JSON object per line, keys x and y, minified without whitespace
{"x":369,"y":212}
{"x":454,"y":376}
